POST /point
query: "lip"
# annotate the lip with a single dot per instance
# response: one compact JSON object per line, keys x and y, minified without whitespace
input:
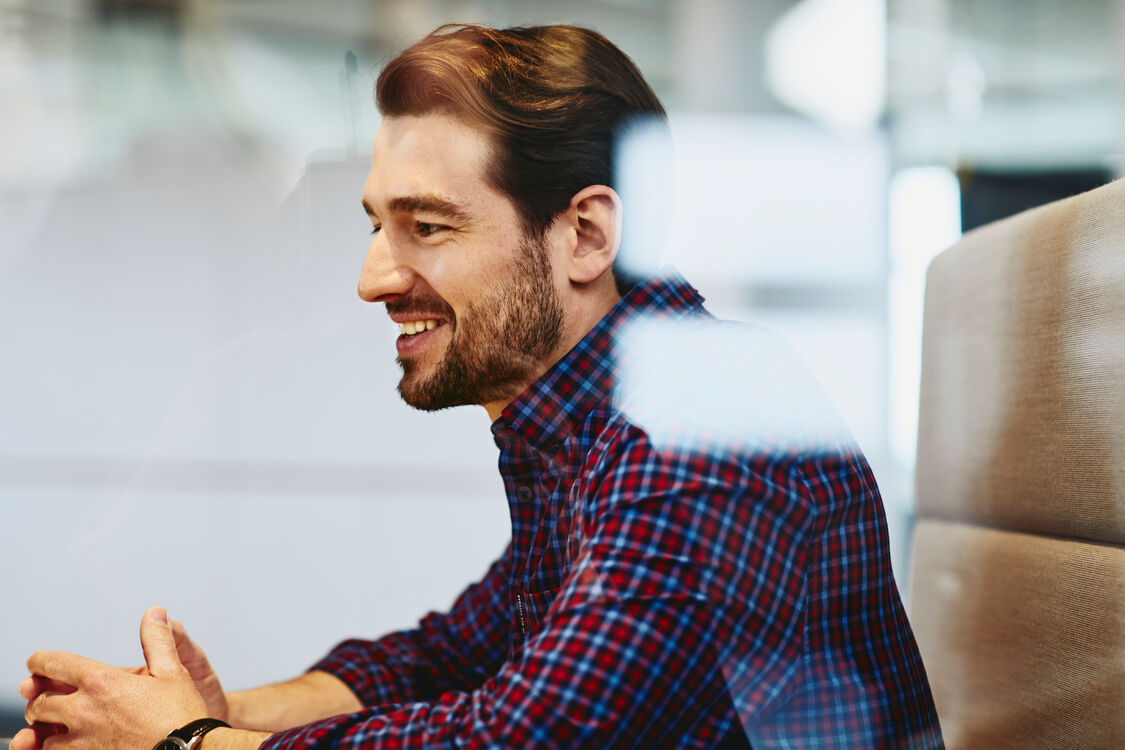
{"x":406,"y":317}
{"x":409,"y":345}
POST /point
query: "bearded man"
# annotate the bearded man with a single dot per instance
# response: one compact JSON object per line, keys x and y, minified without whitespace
{"x":655,"y":594}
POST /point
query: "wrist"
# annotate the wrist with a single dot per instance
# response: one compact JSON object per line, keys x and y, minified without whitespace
{"x":190,"y":735}
{"x":235,"y":705}
{"x":233,"y":739}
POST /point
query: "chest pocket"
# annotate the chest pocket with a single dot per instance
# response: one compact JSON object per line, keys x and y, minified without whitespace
{"x":530,"y":610}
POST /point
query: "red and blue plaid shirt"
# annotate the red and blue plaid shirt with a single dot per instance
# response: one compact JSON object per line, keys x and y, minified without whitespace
{"x":652,"y":597}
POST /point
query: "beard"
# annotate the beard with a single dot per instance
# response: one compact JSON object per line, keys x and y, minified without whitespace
{"x":497,"y":345}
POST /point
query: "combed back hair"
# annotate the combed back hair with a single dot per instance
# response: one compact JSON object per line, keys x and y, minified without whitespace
{"x":553,"y":99}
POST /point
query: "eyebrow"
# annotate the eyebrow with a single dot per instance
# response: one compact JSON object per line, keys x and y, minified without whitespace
{"x":431,"y":204}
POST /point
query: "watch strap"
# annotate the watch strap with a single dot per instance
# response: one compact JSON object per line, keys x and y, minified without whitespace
{"x":196,"y":729}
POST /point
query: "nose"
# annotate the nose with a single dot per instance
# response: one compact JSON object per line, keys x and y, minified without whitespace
{"x":383,"y":275}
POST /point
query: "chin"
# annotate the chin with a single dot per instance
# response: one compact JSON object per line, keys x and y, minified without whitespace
{"x":417,"y":390}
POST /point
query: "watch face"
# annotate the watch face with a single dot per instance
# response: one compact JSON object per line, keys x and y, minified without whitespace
{"x":172,"y":743}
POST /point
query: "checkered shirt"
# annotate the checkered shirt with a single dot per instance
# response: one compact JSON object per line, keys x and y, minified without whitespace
{"x":652,"y":597}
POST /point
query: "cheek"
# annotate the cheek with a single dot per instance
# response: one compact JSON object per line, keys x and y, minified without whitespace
{"x":440,"y":276}
{"x":462,"y":280}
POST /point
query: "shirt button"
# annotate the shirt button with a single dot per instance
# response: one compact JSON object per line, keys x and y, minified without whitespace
{"x":524,"y":494}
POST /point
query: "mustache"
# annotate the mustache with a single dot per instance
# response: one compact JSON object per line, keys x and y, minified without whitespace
{"x":421,"y":304}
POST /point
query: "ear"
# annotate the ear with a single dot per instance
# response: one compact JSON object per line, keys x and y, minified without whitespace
{"x":594,"y":229}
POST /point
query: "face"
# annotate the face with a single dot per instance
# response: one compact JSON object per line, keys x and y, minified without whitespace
{"x":475,"y":298}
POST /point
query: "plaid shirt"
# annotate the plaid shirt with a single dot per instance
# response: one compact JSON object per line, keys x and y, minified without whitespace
{"x":650,"y":597}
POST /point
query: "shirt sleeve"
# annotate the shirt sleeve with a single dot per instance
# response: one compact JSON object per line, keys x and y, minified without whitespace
{"x":633,"y":651}
{"x":449,"y":651}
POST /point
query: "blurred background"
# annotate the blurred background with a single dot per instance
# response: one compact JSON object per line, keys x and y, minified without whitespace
{"x":197,"y":411}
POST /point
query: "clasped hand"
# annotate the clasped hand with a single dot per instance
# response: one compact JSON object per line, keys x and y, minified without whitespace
{"x":74,"y":702}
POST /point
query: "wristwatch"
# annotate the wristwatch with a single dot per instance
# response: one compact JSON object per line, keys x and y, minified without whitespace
{"x":188,"y":736}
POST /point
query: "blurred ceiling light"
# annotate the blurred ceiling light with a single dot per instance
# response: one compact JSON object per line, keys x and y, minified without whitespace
{"x":827,"y":59}
{"x":965,"y":85}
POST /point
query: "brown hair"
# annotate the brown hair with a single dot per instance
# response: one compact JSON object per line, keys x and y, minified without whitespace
{"x":554,"y":99}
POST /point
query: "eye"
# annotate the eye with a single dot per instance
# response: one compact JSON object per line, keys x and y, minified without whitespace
{"x":426,"y":229}
{"x":375,"y":230}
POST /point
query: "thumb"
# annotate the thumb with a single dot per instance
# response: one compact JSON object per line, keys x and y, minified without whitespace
{"x":158,"y":644}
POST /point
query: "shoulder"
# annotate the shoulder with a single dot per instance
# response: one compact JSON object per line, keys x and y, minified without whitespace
{"x":623,"y":467}
{"x":698,"y":383}
{"x":715,"y":407}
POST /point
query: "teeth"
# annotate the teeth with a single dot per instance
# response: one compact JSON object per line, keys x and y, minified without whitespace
{"x":412,"y":327}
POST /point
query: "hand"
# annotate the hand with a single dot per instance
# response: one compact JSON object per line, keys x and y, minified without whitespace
{"x":205,"y":679}
{"x":191,"y":656}
{"x":34,"y":686}
{"x":74,"y":702}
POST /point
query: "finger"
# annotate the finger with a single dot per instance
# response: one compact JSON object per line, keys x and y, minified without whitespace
{"x":50,"y":735}
{"x":191,"y":655}
{"x":37,"y":684}
{"x":61,"y":666}
{"x":158,"y":644}
{"x":24,"y":739}
{"x":33,"y":737}
{"x":184,"y":643}
{"x":44,"y":732}
{"x":179,"y":633}
{"x":49,"y":708}
{"x":27,"y":688}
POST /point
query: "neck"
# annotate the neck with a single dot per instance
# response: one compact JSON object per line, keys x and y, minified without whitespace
{"x":589,"y":309}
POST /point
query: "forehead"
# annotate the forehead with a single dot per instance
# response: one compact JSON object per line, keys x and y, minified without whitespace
{"x":431,"y":154}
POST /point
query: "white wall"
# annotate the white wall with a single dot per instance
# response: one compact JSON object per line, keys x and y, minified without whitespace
{"x":199,"y":412}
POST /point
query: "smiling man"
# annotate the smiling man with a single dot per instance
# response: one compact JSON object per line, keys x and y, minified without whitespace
{"x":654,"y":594}
{"x":475,"y":295}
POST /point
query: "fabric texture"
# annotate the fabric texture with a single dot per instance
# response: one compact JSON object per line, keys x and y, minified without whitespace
{"x":1024,"y":635}
{"x":1021,"y":421}
{"x":652,"y":596}
{"x":1018,"y":577}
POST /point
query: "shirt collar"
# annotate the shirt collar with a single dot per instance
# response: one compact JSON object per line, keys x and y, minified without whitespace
{"x":558,"y":402}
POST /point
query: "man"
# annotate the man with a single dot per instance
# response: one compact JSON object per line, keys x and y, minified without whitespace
{"x":656,"y":594}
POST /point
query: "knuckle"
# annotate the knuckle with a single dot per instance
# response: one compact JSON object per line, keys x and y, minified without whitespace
{"x":98,"y":680}
{"x":48,"y":662}
{"x":33,"y":709}
{"x":35,"y":661}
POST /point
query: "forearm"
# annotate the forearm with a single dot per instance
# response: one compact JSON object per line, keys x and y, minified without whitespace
{"x":455,"y":651}
{"x":272,"y":708}
{"x":233,"y":739}
{"x":566,"y":690}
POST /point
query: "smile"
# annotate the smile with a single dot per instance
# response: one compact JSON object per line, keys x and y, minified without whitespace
{"x":412,"y":327}
{"x":415,"y":334}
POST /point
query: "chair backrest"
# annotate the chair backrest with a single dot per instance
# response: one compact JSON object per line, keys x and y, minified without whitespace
{"x":1018,"y":570}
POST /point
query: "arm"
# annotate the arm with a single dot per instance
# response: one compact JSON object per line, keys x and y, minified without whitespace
{"x":456,"y":650}
{"x":232,"y":739}
{"x":681,"y":596}
{"x":445,"y":652}
{"x":313,"y":695}
{"x":685,"y":591}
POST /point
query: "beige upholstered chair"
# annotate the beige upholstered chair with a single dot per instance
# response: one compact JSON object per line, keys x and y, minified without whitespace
{"x":1018,"y":570}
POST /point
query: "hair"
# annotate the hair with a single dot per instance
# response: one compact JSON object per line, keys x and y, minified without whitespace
{"x":553,"y":99}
